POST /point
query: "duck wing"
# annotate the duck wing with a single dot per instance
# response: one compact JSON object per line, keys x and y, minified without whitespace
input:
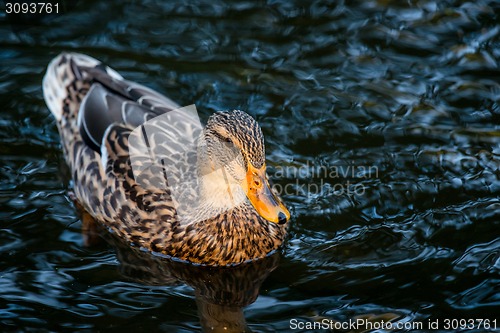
{"x":111,"y":100}
{"x":143,"y":135}
{"x":120,"y":137}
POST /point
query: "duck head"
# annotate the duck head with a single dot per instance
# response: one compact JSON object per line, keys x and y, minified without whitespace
{"x":233,"y":165}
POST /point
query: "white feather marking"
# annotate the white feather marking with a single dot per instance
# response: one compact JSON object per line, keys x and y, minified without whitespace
{"x":53,"y":90}
{"x":59,"y":76}
{"x":104,"y":149}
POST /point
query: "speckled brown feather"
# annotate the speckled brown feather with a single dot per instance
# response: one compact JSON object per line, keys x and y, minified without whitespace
{"x":146,"y":217}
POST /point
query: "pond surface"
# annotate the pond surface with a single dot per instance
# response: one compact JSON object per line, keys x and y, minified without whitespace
{"x":382,"y":132}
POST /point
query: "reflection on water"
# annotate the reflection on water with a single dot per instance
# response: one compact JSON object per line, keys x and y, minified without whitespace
{"x":220,"y":293}
{"x":408,"y":88}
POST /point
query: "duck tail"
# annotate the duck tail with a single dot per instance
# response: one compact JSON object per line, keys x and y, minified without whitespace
{"x":62,"y":72}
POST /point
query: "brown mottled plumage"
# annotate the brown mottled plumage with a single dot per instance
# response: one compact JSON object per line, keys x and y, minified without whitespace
{"x":96,"y":110}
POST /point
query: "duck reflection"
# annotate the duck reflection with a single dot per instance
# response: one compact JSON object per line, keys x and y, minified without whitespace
{"x":221,"y":292}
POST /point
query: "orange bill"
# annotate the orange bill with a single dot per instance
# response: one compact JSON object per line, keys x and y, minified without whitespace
{"x":265,"y":202}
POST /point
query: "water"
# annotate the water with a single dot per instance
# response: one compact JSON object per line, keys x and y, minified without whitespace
{"x":382,"y":130}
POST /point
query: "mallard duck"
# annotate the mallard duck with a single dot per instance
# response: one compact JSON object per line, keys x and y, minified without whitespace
{"x":97,"y":111}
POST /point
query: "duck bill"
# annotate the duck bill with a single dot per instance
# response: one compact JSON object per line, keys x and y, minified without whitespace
{"x":265,"y":202}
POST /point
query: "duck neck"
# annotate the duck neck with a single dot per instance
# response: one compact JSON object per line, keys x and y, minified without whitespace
{"x":218,"y":192}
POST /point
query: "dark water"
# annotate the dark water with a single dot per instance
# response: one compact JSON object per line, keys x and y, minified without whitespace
{"x":382,"y":130}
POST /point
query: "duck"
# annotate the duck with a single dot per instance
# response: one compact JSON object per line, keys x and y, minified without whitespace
{"x":208,"y":203}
